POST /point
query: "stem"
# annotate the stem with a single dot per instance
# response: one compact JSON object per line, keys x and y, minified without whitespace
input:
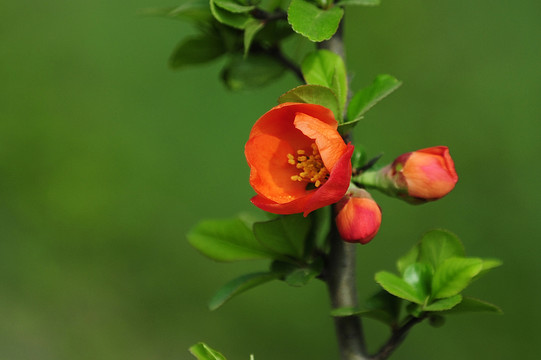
{"x":279,"y":55}
{"x":341,"y":283}
{"x":397,"y":337}
{"x":268,"y":16}
{"x":340,"y":266}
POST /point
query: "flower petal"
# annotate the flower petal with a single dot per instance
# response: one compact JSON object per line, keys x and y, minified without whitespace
{"x":329,"y":142}
{"x":270,"y":172}
{"x":335,"y":187}
{"x":293,"y":207}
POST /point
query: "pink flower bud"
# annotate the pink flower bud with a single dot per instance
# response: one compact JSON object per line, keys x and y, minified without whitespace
{"x":358,"y":216}
{"x":424,"y":175}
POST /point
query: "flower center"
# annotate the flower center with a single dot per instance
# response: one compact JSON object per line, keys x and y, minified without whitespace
{"x":312,"y":169}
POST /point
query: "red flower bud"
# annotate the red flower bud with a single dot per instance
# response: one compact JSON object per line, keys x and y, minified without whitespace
{"x":298,"y":160}
{"x":358,"y":216}
{"x":424,"y":175}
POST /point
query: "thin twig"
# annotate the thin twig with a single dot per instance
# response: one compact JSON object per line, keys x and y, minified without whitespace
{"x":396,"y":338}
{"x":279,"y":55}
{"x":270,"y":16}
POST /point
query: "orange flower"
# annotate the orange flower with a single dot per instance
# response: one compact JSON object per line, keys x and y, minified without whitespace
{"x":426,"y":174}
{"x":358,"y":216}
{"x":298,"y":160}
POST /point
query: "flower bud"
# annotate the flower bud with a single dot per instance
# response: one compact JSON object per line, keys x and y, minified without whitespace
{"x":423,"y":175}
{"x":358,"y":216}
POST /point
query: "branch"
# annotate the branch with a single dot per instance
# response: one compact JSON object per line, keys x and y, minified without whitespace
{"x":341,"y":282}
{"x":279,"y":55}
{"x":397,"y":337}
{"x":340,"y":269}
{"x":269,"y":16}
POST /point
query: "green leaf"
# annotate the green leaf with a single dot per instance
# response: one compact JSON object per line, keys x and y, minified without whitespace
{"x":364,"y":99}
{"x":196,"y":50}
{"x":195,"y":10}
{"x":409,"y":258}
{"x":470,"y":304}
{"x":240,"y":285}
{"x":323,"y":67}
{"x":444,"y":304}
{"x":275,"y":31}
{"x":227,"y":240}
{"x":233,"y":6}
{"x":346,"y":127}
{"x":313,"y":94}
{"x":252,"y":28}
{"x":346,"y":311}
{"x":453,"y":275}
{"x":439,"y":245}
{"x":301,"y":276}
{"x":255,"y":71}
{"x":312,"y":22}
{"x":203,"y":352}
{"x":383,"y":307}
{"x":321,"y":225}
{"x":419,"y":276}
{"x":489,"y":264}
{"x":236,"y":20}
{"x":358,"y":2}
{"x":284,"y":235}
{"x":398,"y":287}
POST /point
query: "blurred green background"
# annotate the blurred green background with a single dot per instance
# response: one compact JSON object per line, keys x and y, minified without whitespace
{"x":107,"y":158}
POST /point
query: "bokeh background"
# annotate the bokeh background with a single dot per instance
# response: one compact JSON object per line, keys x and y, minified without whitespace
{"x":107,"y":158}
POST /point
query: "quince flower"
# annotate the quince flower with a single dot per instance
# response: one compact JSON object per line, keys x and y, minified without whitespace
{"x":298,"y":160}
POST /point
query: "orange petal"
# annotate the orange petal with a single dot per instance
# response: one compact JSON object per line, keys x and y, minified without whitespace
{"x":329,"y":142}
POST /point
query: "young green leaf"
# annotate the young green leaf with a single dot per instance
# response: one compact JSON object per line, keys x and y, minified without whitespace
{"x":346,"y":127}
{"x":419,"y":276}
{"x":240,"y":285}
{"x":409,"y":258}
{"x":252,"y":28}
{"x":364,"y":99}
{"x":358,"y":2}
{"x":398,"y":287}
{"x":321,"y":225}
{"x":236,"y":20}
{"x":284,"y":235}
{"x":323,"y":67}
{"x":204,"y":352}
{"x":253,"y":72}
{"x":312,"y":22}
{"x":227,"y":240}
{"x":489,"y":264}
{"x":233,"y":6}
{"x":383,"y":307}
{"x":453,"y":275}
{"x":301,"y":276}
{"x":470,"y":304}
{"x":444,"y":304}
{"x":196,"y":50}
{"x":437,"y":246}
{"x":313,"y":94}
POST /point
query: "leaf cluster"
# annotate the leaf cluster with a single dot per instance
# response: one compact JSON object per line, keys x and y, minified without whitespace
{"x":432,"y":276}
{"x":327,"y":85}
{"x":293,"y":243}
{"x":250,"y":33}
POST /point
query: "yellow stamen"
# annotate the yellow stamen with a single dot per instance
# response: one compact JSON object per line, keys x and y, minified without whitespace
{"x":312,"y":168}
